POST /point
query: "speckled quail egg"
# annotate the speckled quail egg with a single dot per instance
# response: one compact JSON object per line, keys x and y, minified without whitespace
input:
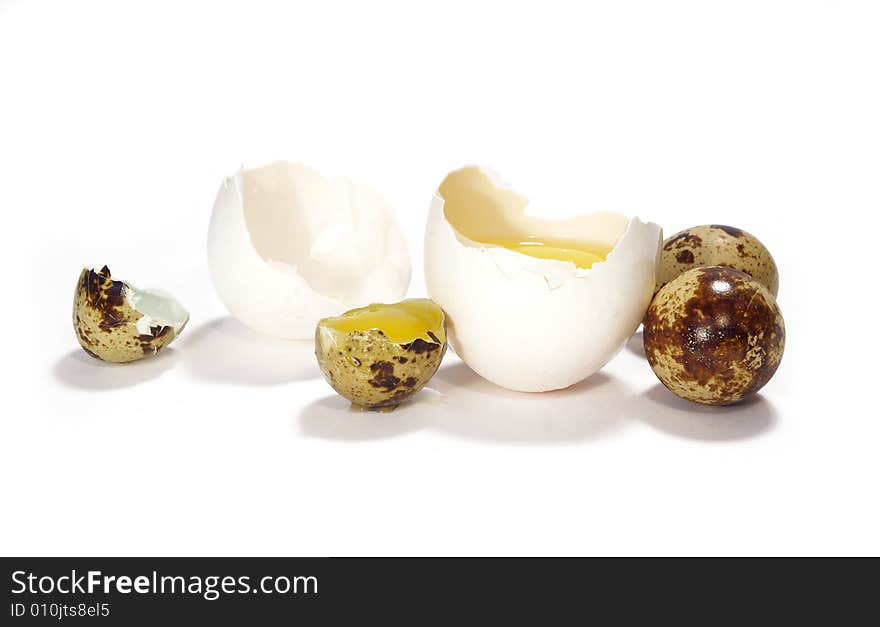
{"x":714,"y":335}
{"x":380,"y":355}
{"x":717,"y":245}
{"x":117,"y":322}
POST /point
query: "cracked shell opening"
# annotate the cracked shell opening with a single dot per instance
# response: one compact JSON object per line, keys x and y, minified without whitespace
{"x":406,"y":321}
{"x":158,"y":308}
{"x":485,"y":212}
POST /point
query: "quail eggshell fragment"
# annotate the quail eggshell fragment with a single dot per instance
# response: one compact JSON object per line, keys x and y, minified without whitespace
{"x":374,"y":371}
{"x":526,"y":323}
{"x":714,"y":335}
{"x":117,"y":322}
{"x":287,"y":247}
{"x":717,"y":245}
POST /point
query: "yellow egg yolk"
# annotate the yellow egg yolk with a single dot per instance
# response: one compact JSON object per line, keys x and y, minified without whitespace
{"x":408,"y":320}
{"x":581,"y":255}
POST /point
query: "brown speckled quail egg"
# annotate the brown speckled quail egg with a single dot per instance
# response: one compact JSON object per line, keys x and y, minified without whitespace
{"x":714,"y":335}
{"x":717,"y":245}
{"x":380,"y":355}
{"x":117,"y":322}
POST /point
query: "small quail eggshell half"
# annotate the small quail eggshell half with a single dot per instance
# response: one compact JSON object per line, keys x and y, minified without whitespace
{"x":287,"y":247}
{"x":117,"y":322}
{"x":717,"y":245}
{"x":714,"y":335}
{"x":525,"y":323}
{"x":374,"y":368}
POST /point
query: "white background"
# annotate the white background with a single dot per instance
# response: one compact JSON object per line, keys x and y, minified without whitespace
{"x":119,"y":120}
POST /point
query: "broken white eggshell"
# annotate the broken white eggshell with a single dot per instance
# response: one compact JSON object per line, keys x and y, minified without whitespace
{"x":527,"y":323}
{"x":287,"y":247}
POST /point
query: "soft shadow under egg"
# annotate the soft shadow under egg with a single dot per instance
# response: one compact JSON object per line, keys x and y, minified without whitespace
{"x":460,"y":403}
{"x":225,"y":351}
{"x":80,"y":371}
{"x":664,"y":411}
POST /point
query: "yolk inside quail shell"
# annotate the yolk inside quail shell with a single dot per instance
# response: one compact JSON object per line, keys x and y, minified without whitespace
{"x":407,"y":321}
{"x":380,"y":355}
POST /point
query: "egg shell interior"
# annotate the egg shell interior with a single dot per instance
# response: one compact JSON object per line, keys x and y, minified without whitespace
{"x":525,"y":323}
{"x":287,"y":247}
{"x":158,"y":308}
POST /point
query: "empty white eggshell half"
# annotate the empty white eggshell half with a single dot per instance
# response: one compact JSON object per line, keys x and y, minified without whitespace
{"x":287,"y":247}
{"x":527,"y":323}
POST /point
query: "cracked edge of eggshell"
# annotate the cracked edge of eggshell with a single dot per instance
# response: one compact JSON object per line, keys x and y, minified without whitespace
{"x":300,"y":323}
{"x":555,"y":272}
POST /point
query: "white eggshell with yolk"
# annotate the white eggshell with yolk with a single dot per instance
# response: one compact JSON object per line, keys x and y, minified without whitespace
{"x":524,"y":323}
{"x":287,"y":247}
